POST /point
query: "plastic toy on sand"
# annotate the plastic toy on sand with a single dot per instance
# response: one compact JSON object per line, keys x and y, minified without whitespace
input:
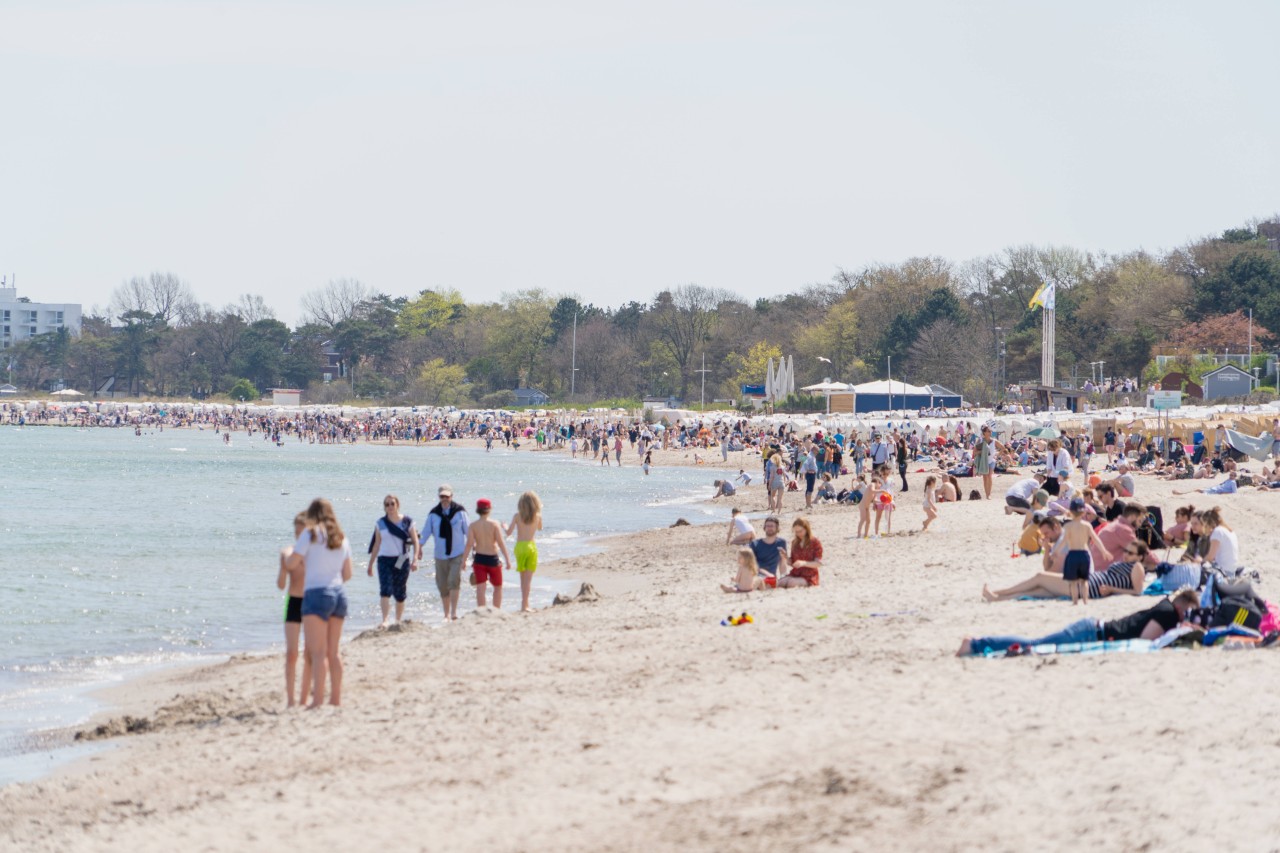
{"x":734,"y":621}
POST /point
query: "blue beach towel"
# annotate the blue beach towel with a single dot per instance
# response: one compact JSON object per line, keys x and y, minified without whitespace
{"x":1097,"y":647}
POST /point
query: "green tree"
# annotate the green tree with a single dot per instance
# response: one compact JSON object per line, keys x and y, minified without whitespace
{"x":243,"y":390}
{"x":522,"y":333}
{"x":440,"y":384}
{"x":834,"y":337}
{"x":429,"y":312}
{"x":750,"y":369}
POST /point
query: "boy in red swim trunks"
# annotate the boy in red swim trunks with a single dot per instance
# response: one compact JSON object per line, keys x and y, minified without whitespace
{"x":485,"y":538}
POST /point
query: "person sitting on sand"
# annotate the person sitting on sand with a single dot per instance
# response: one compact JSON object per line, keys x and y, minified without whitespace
{"x":826,"y":491}
{"x":724,"y":488}
{"x":770,"y":551}
{"x":748,"y":578}
{"x":740,"y":530}
{"x":1123,"y":578}
{"x":1147,"y":624}
{"x":806,"y":556}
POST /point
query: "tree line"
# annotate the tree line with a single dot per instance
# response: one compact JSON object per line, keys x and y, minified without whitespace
{"x":963,"y":325}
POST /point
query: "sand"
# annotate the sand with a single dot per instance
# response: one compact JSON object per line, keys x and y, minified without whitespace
{"x":637,"y":722}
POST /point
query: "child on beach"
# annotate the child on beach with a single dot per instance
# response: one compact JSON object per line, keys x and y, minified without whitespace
{"x":485,"y":538}
{"x":864,"y":506}
{"x":748,"y":579}
{"x":526,"y":522}
{"x":1078,"y":536}
{"x":882,"y":503}
{"x":740,"y":530}
{"x":648,"y":460}
{"x":930,"y":501}
{"x":293,"y":578}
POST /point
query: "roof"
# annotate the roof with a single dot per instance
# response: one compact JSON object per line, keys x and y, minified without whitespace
{"x":1226,"y":367}
{"x":895,"y":386}
{"x":1053,"y":389}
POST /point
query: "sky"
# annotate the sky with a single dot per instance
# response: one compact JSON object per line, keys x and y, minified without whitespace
{"x":611,"y":150}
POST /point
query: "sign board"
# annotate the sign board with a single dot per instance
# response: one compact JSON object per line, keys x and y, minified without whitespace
{"x":1163,"y":400}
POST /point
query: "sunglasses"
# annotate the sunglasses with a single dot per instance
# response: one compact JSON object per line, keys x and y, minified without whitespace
{"x":388,"y":503}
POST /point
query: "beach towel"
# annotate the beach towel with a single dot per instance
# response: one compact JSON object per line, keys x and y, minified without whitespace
{"x":1096,"y":647}
{"x":1258,"y":448}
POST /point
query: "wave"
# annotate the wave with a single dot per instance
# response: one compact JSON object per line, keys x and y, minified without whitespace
{"x":563,"y":535}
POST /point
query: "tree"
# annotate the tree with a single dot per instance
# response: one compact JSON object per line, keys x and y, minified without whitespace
{"x":242,"y":390}
{"x":260,"y":357}
{"x":683,"y":320}
{"x":522,"y":332}
{"x":750,"y":369}
{"x":834,"y":337}
{"x":252,"y":308}
{"x":161,"y":294}
{"x":334,"y":303}
{"x":1226,"y":332}
{"x":134,"y":345}
{"x":430,"y":311}
{"x":440,"y":384}
{"x":1251,"y":279}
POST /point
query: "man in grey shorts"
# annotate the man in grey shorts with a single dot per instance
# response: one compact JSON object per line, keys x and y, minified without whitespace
{"x":447,"y":522}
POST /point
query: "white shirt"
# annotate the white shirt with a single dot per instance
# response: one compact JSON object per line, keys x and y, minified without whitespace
{"x":1023,"y":489}
{"x":324,"y":564}
{"x":389,"y":545}
{"x":741,"y":525}
{"x":1228,"y":556}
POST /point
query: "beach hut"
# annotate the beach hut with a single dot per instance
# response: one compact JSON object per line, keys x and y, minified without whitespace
{"x":1227,"y":381}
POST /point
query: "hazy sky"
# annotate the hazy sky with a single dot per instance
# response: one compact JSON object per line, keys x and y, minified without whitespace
{"x":613,"y":149}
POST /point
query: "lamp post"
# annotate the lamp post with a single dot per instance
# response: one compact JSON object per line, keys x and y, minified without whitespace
{"x":703,"y":371}
{"x":573,"y":356}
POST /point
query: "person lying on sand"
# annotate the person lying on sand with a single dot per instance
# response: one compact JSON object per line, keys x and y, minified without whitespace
{"x":1122,"y":578}
{"x":1147,"y":624}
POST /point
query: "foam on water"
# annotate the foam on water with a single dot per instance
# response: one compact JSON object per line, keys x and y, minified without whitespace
{"x":122,"y":552}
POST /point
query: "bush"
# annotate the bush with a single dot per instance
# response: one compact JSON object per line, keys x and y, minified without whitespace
{"x":243,"y":391}
{"x":504,"y":399}
{"x":802,"y":404}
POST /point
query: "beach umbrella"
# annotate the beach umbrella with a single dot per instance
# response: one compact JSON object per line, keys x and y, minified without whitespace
{"x":1044,"y":432}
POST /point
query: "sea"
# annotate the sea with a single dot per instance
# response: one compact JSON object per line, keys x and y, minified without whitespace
{"x":124,"y":553}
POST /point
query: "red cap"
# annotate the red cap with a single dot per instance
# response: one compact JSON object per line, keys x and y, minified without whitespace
{"x":483,"y":505}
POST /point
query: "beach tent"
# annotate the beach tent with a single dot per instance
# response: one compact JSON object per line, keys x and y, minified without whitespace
{"x":827,"y":388}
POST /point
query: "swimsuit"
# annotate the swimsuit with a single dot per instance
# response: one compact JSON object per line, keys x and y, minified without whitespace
{"x":293,"y":609}
{"x":1076,"y":566}
{"x":526,"y":556}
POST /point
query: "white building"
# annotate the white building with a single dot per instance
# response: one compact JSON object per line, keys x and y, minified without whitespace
{"x":22,"y":320}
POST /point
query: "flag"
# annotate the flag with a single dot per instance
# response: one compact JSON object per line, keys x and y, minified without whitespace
{"x":1045,"y":297}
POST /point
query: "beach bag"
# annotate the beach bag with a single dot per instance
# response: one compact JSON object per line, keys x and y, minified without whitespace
{"x":1237,"y":610}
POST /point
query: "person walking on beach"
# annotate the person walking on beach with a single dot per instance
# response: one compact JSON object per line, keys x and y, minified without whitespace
{"x":324,"y":552}
{"x":526,"y":523}
{"x":984,"y":459}
{"x":394,"y":549}
{"x":485,"y":538}
{"x":448,"y":523}
{"x":295,"y":580}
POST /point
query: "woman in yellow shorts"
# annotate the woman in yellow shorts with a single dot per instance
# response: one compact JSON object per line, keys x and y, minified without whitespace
{"x":526,"y":522}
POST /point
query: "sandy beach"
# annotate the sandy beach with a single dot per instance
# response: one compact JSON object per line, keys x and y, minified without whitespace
{"x":839,"y":720}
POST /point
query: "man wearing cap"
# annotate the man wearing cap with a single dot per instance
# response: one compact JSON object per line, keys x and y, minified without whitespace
{"x":485,"y":539}
{"x":447,"y":522}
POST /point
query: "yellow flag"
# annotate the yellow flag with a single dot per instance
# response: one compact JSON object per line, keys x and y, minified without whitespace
{"x":1038,"y":299}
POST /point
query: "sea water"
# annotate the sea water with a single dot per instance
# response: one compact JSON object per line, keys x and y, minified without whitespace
{"x":120,"y":553}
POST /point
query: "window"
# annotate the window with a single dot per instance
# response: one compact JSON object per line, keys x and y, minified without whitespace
{"x":32,"y":316}
{"x":4,"y":315}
